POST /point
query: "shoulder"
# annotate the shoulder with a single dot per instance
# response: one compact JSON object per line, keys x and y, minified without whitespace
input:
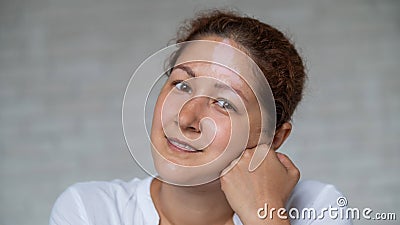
{"x":314,"y":195}
{"x":311,"y":192}
{"x":82,"y":203}
{"x":116,"y":191}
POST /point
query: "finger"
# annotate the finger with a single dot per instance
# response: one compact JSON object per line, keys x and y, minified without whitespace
{"x":287,"y":163}
{"x":259,"y":155}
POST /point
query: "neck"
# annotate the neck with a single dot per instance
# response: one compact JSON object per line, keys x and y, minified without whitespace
{"x":203,"y":204}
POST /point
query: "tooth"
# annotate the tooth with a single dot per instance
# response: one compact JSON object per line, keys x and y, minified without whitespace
{"x":184,"y":146}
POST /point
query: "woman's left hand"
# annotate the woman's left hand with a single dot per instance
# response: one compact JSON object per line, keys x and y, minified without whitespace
{"x":271,"y":183}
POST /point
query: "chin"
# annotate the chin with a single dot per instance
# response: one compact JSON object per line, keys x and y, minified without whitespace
{"x":184,"y":176}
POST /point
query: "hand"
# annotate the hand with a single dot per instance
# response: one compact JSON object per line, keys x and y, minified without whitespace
{"x":272,"y":183}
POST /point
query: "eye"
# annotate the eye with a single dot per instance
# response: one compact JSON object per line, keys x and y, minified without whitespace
{"x":182,"y":86}
{"x":223,"y":103}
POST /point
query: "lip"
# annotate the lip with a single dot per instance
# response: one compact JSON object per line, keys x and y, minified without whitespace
{"x":171,"y":143}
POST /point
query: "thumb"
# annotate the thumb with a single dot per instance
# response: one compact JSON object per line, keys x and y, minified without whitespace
{"x":287,"y":163}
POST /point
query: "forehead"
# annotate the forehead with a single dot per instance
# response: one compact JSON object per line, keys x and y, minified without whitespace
{"x":222,"y":52}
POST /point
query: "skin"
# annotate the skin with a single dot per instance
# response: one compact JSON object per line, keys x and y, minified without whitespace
{"x":238,"y":190}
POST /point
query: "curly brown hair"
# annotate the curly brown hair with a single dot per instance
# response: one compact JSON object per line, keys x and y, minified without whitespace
{"x":275,"y":55}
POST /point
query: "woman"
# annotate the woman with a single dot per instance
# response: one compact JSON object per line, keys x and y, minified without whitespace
{"x":182,"y":135}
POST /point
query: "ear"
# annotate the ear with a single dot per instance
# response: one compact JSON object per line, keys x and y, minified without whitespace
{"x":281,"y":135}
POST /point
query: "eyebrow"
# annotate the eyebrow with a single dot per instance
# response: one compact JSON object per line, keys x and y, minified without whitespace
{"x":186,"y":69}
{"x":190,"y":72}
{"x":226,"y":87}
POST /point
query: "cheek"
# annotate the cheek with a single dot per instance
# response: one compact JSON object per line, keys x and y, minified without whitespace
{"x":157,"y":123}
{"x":225,"y":137}
{"x":157,"y":114}
{"x":239,"y":136}
{"x":160,"y":109}
{"x":229,"y":142}
{"x":223,"y":133}
{"x":255,"y":129}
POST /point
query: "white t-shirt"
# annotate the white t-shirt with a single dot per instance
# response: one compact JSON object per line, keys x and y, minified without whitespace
{"x":129,"y":203}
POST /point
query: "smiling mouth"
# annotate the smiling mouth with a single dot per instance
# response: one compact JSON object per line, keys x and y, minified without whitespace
{"x":182,"y":146}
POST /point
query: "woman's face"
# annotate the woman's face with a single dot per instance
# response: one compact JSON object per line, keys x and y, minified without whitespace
{"x":202,"y":116}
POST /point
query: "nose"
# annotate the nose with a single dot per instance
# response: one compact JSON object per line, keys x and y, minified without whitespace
{"x":191,"y":113}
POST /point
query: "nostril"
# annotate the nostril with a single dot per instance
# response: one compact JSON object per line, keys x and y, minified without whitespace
{"x":194,"y":129}
{"x":189,"y":126}
{"x":188,"y":122}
